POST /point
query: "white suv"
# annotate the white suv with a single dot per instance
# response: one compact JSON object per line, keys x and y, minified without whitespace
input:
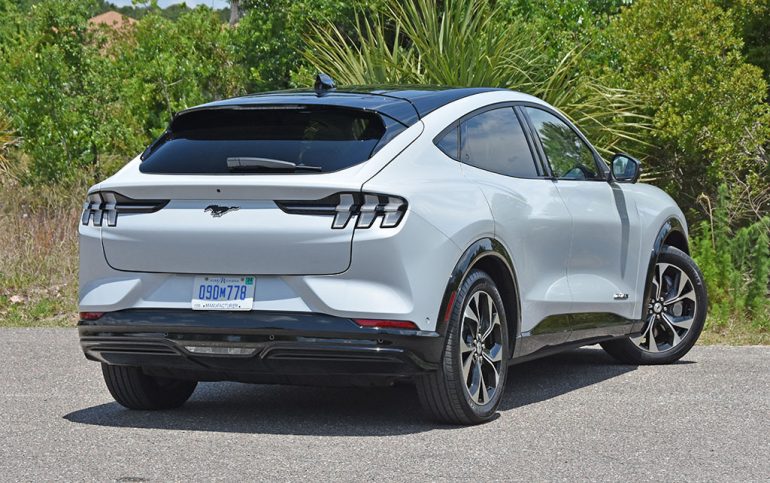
{"x":368,"y":236}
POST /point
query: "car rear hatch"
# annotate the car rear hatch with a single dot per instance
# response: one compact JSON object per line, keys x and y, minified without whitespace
{"x":242,"y":190}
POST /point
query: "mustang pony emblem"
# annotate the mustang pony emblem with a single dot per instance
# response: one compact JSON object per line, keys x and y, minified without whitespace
{"x":217,"y":211}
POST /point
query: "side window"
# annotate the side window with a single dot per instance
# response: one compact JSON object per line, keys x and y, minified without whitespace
{"x":448,"y":143}
{"x":568,"y":155}
{"x":494,"y":141}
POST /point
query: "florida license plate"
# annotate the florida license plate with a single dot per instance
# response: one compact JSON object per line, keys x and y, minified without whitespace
{"x":211,"y":292}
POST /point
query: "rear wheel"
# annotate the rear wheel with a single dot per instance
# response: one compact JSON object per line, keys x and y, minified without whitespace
{"x":469,"y":384}
{"x":676,"y":313}
{"x":136,"y":390}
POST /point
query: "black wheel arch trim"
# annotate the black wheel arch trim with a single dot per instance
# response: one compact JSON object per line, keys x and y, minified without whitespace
{"x":671,"y":233}
{"x":478,"y":250}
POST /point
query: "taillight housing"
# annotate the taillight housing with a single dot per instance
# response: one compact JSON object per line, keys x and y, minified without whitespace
{"x":107,"y":205}
{"x":367,"y":207}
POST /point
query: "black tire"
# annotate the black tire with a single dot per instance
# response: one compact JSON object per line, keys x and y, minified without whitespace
{"x":626,"y":351}
{"x":134,"y":389}
{"x":444,"y":393}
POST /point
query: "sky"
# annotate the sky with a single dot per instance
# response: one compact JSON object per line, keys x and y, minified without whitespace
{"x":190,"y":3}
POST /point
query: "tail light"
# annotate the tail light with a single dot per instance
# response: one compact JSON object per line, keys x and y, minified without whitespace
{"x":368,"y":207}
{"x":387,"y":324}
{"x":102,"y":205}
{"x":91,"y":315}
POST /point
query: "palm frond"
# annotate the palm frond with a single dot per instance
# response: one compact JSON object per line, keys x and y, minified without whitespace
{"x":460,"y":43}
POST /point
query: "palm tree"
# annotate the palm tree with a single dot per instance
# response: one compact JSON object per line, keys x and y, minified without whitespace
{"x":235,"y":11}
{"x":461,"y":43}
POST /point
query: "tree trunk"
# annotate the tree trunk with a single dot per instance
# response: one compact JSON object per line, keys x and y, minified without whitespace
{"x":235,"y":11}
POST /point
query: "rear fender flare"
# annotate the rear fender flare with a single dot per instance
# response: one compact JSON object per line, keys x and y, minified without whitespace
{"x":480,"y":249}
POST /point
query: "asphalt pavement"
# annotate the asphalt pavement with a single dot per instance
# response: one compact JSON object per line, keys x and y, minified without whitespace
{"x":575,"y":416}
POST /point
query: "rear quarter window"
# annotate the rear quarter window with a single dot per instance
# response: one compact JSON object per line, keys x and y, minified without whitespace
{"x":494,"y":141}
{"x":449,"y":143}
{"x":329,"y":138}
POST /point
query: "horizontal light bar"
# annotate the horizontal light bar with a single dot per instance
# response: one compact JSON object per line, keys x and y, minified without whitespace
{"x":387,"y":324}
{"x":219,"y":350}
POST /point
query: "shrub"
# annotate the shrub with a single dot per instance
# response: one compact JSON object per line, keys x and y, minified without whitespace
{"x":162,"y":66}
{"x":86,"y":99}
{"x":269,"y":37}
{"x":684,"y":60}
{"x":50,"y":86}
{"x":735,"y":264}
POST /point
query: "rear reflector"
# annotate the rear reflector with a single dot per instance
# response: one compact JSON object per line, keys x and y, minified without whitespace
{"x":220,"y":351}
{"x":387,"y":324}
{"x":91,"y":315}
{"x":450,"y":305}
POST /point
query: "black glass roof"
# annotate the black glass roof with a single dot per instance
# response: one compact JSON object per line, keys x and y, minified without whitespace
{"x":405,"y":104}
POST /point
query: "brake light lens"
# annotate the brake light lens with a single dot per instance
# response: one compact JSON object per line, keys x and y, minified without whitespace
{"x":107,"y":205}
{"x":367,"y":207}
{"x":91,"y":315}
{"x":387,"y":324}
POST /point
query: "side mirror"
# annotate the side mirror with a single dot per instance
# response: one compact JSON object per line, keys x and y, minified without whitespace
{"x":625,"y":169}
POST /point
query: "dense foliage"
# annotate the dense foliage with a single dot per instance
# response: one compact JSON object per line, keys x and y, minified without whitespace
{"x":269,"y":36}
{"x":51,"y":86}
{"x":735,"y":264}
{"x":685,"y":61}
{"x":82,"y":96}
{"x":682,"y":85}
{"x":474,"y":43}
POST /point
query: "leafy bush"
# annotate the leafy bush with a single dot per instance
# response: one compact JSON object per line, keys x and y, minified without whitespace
{"x":85,"y":99}
{"x":162,"y":66}
{"x":269,"y":36}
{"x":50,"y":87}
{"x":684,"y":60}
{"x":735,"y":264}
{"x":562,"y":25}
{"x":753,"y":19}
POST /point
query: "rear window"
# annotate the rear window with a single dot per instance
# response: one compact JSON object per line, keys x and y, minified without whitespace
{"x":324,"y":138}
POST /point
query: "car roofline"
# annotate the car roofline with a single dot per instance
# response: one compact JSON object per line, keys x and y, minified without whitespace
{"x":405,"y":104}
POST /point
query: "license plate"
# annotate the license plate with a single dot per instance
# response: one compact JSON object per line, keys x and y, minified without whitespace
{"x":222,"y":293}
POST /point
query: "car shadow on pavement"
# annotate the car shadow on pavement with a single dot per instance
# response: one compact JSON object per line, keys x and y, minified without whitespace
{"x":324,"y":411}
{"x":546,"y":378}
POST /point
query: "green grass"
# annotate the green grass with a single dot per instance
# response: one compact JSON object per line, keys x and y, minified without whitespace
{"x":46,"y":312}
{"x":734,"y":331}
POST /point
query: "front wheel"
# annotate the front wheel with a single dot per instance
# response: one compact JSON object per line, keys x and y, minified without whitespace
{"x":676,"y":313}
{"x":134,"y":389}
{"x":469,"y":384}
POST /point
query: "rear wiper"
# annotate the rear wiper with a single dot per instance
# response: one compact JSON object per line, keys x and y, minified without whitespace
{"x":260,"y":164}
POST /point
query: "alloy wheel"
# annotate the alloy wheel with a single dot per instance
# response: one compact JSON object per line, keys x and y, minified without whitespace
{"x":481,"y":347}
{"x":671,"y":309}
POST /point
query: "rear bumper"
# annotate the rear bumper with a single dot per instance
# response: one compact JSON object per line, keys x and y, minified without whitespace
{"x":269,"y":347}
